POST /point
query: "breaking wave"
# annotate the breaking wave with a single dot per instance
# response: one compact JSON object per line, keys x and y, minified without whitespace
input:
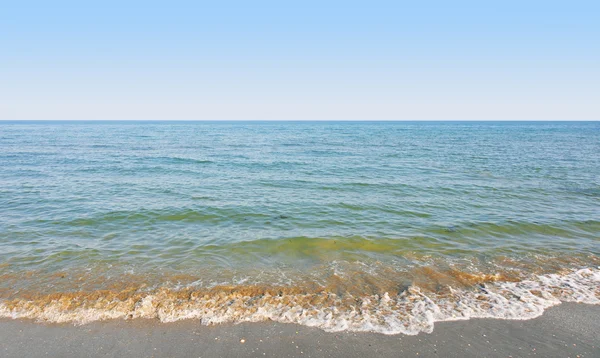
{"x":410,"y":310}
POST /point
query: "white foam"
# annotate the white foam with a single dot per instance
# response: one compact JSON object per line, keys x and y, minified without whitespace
{"x":410,"y":312}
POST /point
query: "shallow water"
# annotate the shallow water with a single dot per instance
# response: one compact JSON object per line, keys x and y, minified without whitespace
{"x":375,"y":226}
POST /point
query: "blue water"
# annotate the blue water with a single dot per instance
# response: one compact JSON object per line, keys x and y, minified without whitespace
{"x":286,"y":203}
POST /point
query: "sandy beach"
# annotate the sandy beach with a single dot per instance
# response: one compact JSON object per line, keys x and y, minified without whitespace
{"x":567,"y":330}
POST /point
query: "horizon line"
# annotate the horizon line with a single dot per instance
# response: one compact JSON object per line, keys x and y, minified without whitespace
{"x":299,"y":120}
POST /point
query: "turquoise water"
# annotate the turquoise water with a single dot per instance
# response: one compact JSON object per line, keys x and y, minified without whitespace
{"x":179,"y":205}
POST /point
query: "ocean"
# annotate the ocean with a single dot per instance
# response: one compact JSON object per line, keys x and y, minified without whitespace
{"x":361,"y":226}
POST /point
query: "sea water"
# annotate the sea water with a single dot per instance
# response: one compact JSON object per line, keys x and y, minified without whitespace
{"x":364,"y":226}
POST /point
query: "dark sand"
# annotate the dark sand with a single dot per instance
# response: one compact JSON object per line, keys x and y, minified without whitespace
{"x":568,"y":330}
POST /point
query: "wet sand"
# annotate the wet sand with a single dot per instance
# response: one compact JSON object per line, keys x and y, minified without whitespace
{"x":567,"y":330}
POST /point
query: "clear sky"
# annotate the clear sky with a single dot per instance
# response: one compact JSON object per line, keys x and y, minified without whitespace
{"x":293,"y":60}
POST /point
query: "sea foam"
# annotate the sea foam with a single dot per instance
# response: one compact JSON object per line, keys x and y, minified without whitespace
{"x":410,"y":312}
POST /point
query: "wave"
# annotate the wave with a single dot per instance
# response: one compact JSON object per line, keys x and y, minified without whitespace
{"x":186,"y":215}
{"x":411,"y":310}
{"x":177,"y":160}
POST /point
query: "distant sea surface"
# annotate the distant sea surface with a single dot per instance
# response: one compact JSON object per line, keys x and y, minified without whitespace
{"x":365,"y":226}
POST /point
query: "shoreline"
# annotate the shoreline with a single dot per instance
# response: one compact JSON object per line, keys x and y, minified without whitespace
{"x":568,"y":329}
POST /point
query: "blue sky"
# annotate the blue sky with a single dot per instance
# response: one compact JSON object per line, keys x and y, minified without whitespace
{"x":264,"y":60}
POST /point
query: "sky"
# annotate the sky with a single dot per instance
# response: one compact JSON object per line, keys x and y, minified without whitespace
{"x":300,"y":60}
